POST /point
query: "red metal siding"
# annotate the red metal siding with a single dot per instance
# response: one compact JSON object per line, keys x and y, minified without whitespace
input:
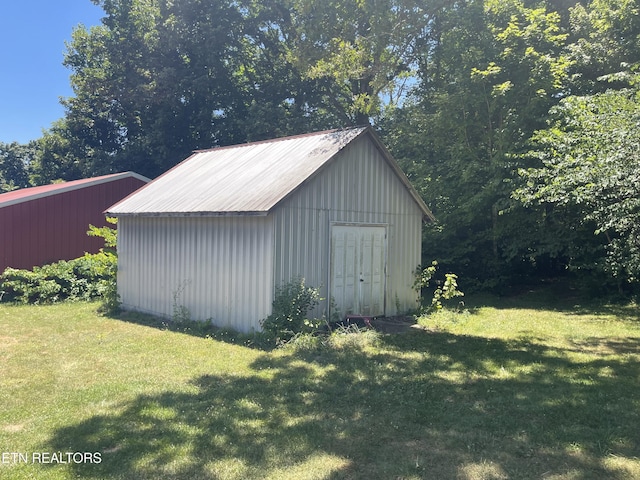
{"x":54,"y":228}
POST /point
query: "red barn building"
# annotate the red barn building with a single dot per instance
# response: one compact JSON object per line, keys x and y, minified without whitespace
{"x":45,"y":224}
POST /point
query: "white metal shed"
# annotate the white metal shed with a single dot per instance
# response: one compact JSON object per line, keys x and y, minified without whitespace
{"x":217,"y":233}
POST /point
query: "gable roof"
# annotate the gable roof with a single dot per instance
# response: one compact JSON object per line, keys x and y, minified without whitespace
{"x":246,"y":179}
{"x":33,"y":193}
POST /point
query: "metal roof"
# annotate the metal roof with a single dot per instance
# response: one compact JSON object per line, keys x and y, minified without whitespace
{"x":247,"y":179}
{"x":33,"y":193}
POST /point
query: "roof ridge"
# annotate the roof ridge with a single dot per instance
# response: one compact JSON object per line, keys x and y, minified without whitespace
{"x":280,"y":139}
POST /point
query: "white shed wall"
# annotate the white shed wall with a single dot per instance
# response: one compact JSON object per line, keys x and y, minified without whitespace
{"x":219,"y":268}
{"x":358,"y":187}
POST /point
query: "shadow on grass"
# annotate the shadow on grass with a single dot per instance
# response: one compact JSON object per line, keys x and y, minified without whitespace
{"x":197,"y":329}
{"x":558,"y":296}
{"x":423,"y":405}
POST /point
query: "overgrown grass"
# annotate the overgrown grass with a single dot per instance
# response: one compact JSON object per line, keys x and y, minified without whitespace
{"x":498,"y":393}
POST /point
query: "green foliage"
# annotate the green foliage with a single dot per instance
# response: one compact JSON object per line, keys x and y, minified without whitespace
{"x":92,"y":276}
{"x":456,"y":88}
{"x":181,"y":313}
{"x":110,"y":235}
{"x":159,"y":79}
{"x":105,"y":266}
{"x":15,"y":161}
{"x":445,"y":290}
{"x":424,"y":275}
{"x":365,"y":51}
{"x":344,"y":338}
{"x":493,"y":71}
{"x":59,"y":156}
{"x":589,"y":159}
{"x":65,"y":280}
{"x":291,"y":304}
{"x":605,"y":36}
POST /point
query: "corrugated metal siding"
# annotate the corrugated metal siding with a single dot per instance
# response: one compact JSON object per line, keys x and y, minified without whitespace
{"x":357,"y":187}
{"x":218,"y":268}
{"x":54,"y":227}
{"x":226,"y":267}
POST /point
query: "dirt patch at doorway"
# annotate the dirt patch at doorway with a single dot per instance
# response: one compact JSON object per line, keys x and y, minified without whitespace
{"x":400,"y":324}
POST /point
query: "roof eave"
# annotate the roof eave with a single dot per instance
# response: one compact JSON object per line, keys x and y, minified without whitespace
{"x":86,"y":183}
{"x":187,"y":214}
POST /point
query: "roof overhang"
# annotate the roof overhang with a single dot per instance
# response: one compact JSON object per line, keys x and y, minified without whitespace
{"x":34,"y":193}
{"x":322,"y":153}
{"x":187,"y":214}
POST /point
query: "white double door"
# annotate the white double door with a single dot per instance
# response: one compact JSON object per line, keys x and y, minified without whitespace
{"x":358,"y":265}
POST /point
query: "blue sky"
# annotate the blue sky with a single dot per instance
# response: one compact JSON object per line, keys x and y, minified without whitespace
{"x":32,"y":77}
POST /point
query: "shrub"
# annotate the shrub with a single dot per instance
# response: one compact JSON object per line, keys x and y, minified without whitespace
{"x":445,"y":290}
{"x":105,"y":266}
{"x":89,"y":277}
{"x":64,"y":280}
{"x":291,"y":304}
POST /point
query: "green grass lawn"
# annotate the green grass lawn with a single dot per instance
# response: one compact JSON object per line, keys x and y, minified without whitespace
{"x":507,"y":392}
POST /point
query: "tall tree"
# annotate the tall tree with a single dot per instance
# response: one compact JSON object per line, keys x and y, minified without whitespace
{"x":364,"y":50}
{"x":62,"y":155}
{"x":159,"y":79}
{"x":605,"y":41}
{"x":495,"y":69}
{"x":590,"y":159}
{"x":15,"y":161}
{"x":142,"y":89}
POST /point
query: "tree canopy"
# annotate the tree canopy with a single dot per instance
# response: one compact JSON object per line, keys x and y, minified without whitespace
{"x":590,"y":159}
{"x":14,"y":164}
{"x":513,"y":118}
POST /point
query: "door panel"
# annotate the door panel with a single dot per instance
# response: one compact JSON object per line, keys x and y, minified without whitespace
{"x":378,"y":272}
{"x":358,"y":269}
